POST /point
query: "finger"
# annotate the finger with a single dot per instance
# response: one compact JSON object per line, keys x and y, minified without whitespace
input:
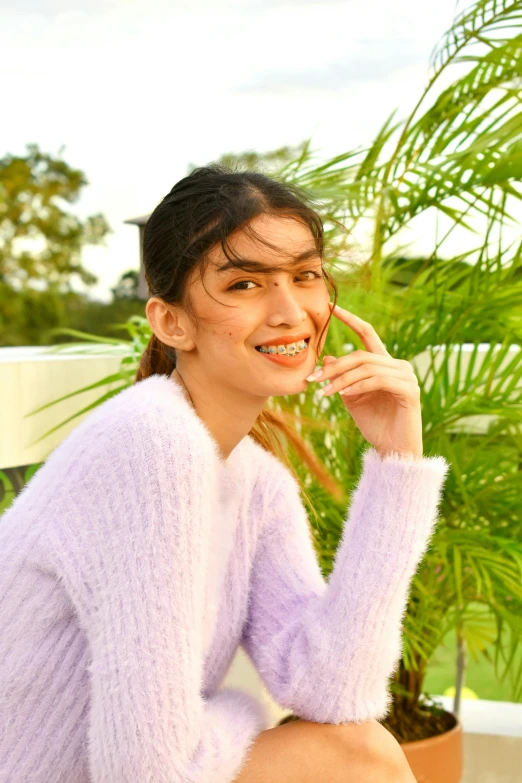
{"x":361,"y":373}
{"x":355,"y":359}
{"x":370,"y":339}
{"x":401,"y":389}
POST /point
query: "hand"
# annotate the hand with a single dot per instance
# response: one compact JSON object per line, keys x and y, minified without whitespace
{"x":381,"y":393}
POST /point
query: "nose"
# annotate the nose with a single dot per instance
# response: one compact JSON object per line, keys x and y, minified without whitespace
{"x":286,"y":303}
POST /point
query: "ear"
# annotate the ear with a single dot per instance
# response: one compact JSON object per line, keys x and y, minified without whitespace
{"x":167,"y":323}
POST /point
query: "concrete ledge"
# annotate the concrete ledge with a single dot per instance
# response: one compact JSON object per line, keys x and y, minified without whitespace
{"x":491,"y":759}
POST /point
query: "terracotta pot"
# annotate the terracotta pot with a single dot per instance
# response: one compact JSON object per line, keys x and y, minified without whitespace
{"x":438,"y":759}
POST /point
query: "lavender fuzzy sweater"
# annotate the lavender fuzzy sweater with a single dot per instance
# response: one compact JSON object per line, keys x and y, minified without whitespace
{"x":136,"y":560}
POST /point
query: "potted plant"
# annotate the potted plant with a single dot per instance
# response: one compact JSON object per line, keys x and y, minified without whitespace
{"x":460,"y":158}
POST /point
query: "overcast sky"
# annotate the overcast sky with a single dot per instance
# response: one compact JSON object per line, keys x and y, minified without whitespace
{"x":138,"y":89}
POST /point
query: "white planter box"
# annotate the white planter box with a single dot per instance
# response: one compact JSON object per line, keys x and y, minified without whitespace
{"x":480,"y":716}
{"x":31,"y":377}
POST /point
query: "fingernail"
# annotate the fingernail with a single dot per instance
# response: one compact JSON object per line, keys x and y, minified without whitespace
{"x":315,"y":375}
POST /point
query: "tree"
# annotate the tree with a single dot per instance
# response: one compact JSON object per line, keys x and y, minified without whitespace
{"x":127,"y":286}
{"x":269,"y":162}
{"x":33,"y":189}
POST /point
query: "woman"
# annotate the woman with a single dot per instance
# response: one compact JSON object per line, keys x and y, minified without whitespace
{"x":167,"y":529}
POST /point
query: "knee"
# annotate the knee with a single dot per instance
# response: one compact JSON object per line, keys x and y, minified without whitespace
{"x":380,"y":750}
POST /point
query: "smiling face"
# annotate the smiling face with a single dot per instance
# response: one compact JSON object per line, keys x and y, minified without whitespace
{"x":237,"y":310}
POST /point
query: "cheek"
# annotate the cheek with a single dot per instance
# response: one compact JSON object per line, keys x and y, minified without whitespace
{"x":237,"y":330}
{"x":230,"y":338}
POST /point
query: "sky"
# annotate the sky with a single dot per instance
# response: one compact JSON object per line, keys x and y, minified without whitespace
{"x":138,"y":90}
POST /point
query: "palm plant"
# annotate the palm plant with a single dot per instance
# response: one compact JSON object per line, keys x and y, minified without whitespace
{"x":458,"y":155}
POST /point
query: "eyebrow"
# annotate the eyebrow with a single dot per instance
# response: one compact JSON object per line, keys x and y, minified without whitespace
{"x":258,"y":266}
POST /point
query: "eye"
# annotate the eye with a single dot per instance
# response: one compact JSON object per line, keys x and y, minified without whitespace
{"x":241,"y":282}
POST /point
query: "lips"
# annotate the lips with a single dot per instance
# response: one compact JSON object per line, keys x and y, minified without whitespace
{"x":284,"y":360}
{"x":257,"y":347}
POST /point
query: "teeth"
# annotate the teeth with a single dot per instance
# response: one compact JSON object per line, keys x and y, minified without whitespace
{"x":289,"y":350}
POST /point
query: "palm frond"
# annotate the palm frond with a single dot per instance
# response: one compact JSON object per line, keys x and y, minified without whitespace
{"x":473,"y":24}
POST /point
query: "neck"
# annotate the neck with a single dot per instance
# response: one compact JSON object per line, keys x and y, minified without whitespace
{"x":226,"y":416}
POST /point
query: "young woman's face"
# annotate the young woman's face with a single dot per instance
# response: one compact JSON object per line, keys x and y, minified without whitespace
{"x":280,"y":305}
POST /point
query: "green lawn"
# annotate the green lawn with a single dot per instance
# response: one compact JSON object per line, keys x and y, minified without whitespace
{"x":480,"y":677}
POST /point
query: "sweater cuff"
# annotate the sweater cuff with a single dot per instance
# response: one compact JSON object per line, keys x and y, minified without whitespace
{"x":233,"y":720}
{"x":372,"y":456}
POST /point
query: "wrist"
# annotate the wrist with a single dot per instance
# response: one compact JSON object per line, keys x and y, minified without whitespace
{"x":399,"y":453}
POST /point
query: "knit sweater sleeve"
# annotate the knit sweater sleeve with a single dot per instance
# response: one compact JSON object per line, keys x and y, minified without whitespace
{"x":132,"y":553}
{"x":327,"y":650}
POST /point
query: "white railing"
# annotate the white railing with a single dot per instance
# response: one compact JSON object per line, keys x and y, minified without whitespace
{"x":30,"y":376}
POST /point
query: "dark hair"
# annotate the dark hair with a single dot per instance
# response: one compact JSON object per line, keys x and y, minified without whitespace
{"x":202,"y":209}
